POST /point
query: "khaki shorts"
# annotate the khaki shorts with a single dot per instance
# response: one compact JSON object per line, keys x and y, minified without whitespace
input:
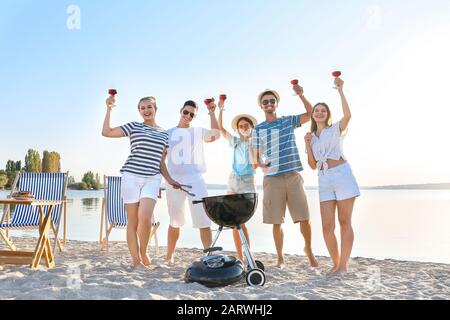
{"x":279,"y":191}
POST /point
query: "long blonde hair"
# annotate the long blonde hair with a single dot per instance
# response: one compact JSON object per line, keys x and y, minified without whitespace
{"x":328,"y":121}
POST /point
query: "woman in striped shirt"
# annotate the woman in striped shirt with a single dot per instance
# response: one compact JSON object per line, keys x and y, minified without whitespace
{"x":141,"y":174}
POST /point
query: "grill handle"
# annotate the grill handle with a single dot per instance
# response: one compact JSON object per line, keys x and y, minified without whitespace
{"x":212,"y":249}
{"x":198,"y":201}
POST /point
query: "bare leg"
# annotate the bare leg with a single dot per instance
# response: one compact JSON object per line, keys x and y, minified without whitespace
{"x":206,"y":237}
{"x":345,"y":209}
{"x":146,"y":207}
{"x":305,"y":229}
{"x":327,"y":210}
{"x":238,"y":242}
{"x":172,"y":237}
{"x":132,"y":238}
{"x":278,"y":239}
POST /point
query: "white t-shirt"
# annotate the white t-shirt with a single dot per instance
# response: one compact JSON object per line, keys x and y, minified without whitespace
{"x":185,"y":155}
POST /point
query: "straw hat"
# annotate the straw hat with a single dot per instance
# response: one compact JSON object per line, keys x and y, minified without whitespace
{"x":234,"y":123}
{"x":268,"y":90}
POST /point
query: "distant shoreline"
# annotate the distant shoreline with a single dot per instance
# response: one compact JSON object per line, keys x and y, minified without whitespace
{"x":427,"y":186}
{"x":430,"y":186}
{"x":433,"y":186}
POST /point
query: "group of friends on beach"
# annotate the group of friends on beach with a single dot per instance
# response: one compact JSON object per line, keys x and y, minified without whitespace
{"x":177,"y":156}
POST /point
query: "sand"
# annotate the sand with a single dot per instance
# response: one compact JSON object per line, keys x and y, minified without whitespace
{"x":84,"y":272}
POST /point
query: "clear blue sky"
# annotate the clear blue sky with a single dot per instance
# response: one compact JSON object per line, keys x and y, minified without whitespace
{"x":393,"y":54}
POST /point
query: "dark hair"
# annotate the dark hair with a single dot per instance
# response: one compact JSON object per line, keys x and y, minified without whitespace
{"x":237,"y":126}
{"x":245,"y":119}
{"x":266,"y":93}
{"x":327,"y":120}
{"x":190,"y":103}
{"x":150,"y":98}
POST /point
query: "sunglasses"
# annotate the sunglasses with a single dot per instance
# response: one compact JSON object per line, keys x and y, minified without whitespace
{"x":269,"y":101}
{"x":244,"y":126}
{"x":185,"y":112}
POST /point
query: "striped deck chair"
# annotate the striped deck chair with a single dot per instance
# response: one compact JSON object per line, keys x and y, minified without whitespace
{"x":44,"y":186}
{"x":114,"y":214}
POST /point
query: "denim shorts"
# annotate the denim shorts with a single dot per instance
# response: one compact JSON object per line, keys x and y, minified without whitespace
{"x":338,"y":184}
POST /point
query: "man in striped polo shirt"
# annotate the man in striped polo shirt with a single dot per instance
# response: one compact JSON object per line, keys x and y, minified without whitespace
{"x":276,"y":153}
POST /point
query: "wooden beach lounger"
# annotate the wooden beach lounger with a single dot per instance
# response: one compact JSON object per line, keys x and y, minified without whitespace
{"x":44,"y":187}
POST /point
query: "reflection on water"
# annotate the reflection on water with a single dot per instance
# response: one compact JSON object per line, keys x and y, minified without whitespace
{"x":88,"y":205}
{"x":91,"y":204}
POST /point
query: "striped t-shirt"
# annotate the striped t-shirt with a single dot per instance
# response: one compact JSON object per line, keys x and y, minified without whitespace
{"x":147,"y":146}
{"x":276,"y":143}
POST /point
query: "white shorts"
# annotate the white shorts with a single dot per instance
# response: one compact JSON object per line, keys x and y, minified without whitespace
{"x":338,"y":184}
{"x":133,"y":188}
{"x":241,"y":184}
{"x":176,"y":200}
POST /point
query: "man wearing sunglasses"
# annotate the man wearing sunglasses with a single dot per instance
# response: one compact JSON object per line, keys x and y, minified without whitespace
{"x":276,"y":153}
{"x":186,"y":161}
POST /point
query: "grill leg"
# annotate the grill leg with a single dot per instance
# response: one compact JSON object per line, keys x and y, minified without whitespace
{"x":247,"y":252}
{"x":216,"y":237}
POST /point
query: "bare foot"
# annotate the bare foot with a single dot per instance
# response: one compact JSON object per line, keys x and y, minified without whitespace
{"x":281,"y":264}
{"x":146,"y":261}
{"x":139,"y":266}
{"x":135,"y":262}
{"x":341,"y":269}
{"x":169,"y":261}
{"x":312,"y":259}
{"x":334,"y":269}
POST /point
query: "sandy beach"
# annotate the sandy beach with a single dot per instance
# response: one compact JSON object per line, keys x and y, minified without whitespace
{"x":83,"y":272}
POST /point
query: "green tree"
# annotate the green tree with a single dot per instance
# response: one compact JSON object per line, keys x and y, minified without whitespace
{"x":33,"y":161}
{"x":91,"y":180}
{"x":70,"y":181}
{"x":46,"y":161}
{"x":88,"y":178}
{"x":3,"y":179}
{"x":10,"y":166}
{"x":97,"y":182}
{"x":51,"y":162}
{"x":56,"y":161}
{"x":82,"y":186}
{"x":18,"y":166}
{"x":11,"y":177}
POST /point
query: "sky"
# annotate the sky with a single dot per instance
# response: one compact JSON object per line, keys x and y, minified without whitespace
{"x":58,"y":59}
